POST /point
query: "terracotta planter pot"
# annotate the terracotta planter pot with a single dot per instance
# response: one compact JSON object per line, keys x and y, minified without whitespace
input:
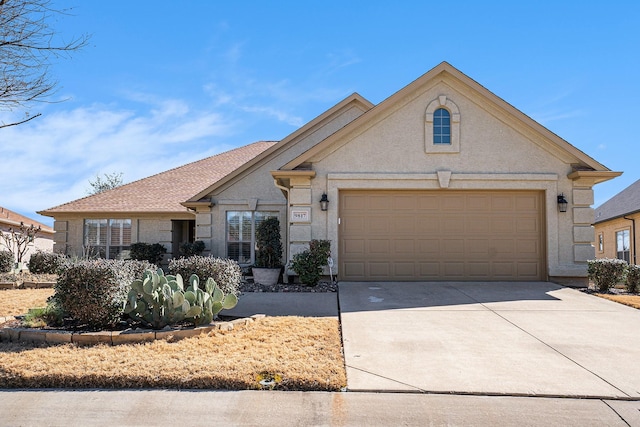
{"x":266,"y":276}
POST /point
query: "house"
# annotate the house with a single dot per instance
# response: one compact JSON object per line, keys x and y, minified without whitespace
{"x":443,"y":180}
{"x":616,"y":235}
{"x":10,"y":220}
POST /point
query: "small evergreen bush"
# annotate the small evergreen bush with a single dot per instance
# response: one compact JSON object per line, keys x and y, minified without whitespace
{"x":633,"y":279}
{"x":6,"y":261}
{"x":46,"y":262}
{"x":226,"y":272}
{"x":268,"y":244}
{"x":93,"y":292}
{"x":147,"y":252}
{"x":606,"y":273}
{"x":308,"y":264}
{"x":189,"y":249}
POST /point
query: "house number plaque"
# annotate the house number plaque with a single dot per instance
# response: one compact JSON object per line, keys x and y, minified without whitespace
{"x":299,"y":216}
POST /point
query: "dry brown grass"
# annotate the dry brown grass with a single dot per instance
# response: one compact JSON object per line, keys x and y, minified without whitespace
{"x":304,"y":353}
{"x":18,"y":301}
{"x":630,"y":300}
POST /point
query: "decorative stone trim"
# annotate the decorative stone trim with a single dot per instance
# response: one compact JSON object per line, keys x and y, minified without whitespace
{"x":114,"y":337}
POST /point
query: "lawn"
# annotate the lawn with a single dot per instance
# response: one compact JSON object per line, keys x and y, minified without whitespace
{"x":630,"y":300}
{"x":19,"y":301}
{"x":298,"y":353}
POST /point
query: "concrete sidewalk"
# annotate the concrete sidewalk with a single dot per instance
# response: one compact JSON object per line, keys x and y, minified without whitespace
{"x":305,"y":304}
{"x":273,"y":408}
{"x":517,"y":339}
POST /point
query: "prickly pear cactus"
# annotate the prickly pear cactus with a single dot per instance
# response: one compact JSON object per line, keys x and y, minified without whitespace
{"x":160,"y":300}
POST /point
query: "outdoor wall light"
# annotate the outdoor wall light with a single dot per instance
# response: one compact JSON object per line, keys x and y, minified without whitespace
{"x":562,"y":203}
{"x":324,"y":202}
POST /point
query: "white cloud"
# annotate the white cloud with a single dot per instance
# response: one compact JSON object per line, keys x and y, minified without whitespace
{"x":50,"y":160}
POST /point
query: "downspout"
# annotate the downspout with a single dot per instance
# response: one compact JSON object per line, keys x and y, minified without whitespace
{"x":633,"y":232}
{"x":286,"y":251}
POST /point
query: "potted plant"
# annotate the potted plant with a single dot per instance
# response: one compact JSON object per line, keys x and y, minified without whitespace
{"x":268,"y":265}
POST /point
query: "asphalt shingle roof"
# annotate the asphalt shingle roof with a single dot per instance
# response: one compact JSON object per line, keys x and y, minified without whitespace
{"x":623,"y":203}
{"x":10,"y":218}
{"x":165,"y":191}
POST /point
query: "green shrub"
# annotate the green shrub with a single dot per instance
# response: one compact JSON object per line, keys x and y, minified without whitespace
{"x":268,"y":244}
{"x":226,"y":272}
{"x":46,"y":262}
{"x":51,"y":315}
{"x":152,"y":252}
{"x":606,"y":273}
{"x":633,"y":279}
{"x":308,"y":264}
{"x":6,"y":261}
{"x":158,"y":300}
{"x":189,"y":249}
{"x":93,"y":292}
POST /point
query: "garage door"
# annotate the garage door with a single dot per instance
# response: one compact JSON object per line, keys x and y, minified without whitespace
{"x":441,"y":235}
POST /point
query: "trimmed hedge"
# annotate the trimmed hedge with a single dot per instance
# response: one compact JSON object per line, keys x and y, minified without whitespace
{"x":152,"y":252}
{"x":633,"y":279}
{"x":225,"y":272}
{"x":606,"y":273}
{"x":6,"y":261}
{"x":93,"y":292}
{"x":46,"y":262}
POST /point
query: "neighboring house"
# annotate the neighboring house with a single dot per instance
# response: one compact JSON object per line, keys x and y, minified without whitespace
{"x":11,"y":220}
{"x":443,"y":180}
{"x":616,"y":225}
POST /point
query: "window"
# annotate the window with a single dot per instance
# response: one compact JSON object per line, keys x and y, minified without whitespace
{"x":600,"y":242}
{"x":441,"y":126}
{"x":241,"y":232}
{"x":107,"y":238}
{"x":622,"y":245}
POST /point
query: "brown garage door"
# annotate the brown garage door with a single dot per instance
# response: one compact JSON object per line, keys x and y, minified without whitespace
{"x":441,"y":235}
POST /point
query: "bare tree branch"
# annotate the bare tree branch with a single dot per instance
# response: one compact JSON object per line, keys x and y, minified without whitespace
{"x":28,"y":46}
{"x":20,"y":122}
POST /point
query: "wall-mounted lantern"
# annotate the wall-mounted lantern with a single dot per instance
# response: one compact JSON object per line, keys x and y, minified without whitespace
{"x":562,"y":203}
{"x":324,"y":202}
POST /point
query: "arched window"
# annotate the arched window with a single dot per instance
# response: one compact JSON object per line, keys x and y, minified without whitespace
{"x":441,"y":126}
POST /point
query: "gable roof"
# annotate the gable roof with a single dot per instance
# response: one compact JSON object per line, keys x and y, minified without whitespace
{"x":624,"y":203}
{"x":445,"y":71}
{"x":165,"y":191}
{"x":354,"y":100}
{"x":10,"y":218}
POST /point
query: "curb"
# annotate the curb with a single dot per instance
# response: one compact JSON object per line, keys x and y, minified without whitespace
{"x":115,"y":337}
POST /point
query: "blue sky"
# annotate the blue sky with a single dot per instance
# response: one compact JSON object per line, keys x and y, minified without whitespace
{"x":163,"y":83}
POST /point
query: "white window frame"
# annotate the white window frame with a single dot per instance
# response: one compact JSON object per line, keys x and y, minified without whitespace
{"x":103,"y":247}
{"x":623,"y":251}
{"x":255,"y":218}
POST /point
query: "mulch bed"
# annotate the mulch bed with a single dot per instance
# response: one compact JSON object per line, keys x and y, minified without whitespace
{"x":289,"y":287}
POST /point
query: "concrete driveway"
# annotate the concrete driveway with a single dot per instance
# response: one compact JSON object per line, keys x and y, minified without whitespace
{"x":529,"y":339}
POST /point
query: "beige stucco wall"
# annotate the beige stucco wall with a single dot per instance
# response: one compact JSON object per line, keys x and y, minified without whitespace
{"x":42,"y":242}
{"x":496,"y":152}
{"x":148,"y":228}
{"x":608,"y":231}
{"x":254,"y":189}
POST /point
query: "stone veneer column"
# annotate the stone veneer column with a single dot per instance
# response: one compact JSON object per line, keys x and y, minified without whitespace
{"x":583,"y":217}
{"x":299,"y":214}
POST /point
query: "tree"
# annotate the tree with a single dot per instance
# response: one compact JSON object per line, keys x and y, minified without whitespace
{"x":17,"y":239}
{"x":110,"y":180}
{"x":28,"y":45}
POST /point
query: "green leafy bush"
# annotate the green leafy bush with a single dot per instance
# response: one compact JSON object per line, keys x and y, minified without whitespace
{"x":189,"y":249}
{"x":46,"y":262}
{"x":6,"y":261}
{"x":268,"y":244}
{"x":51,"y":315}
{"x":152,"y":252}
{"x":158,"y":300}
{"x":93,"y":292}
{"x":606,"y":273}
{"x":226,"y":272}
{"x":633,"y":279}
{"x":308,"y":264}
